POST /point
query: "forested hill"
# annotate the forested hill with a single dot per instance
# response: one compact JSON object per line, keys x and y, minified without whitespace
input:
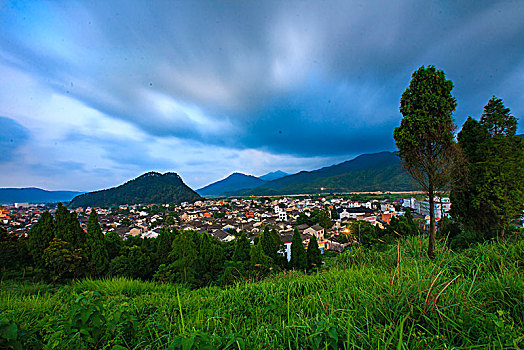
{"x":368,"y":172}
{"x":149,"y":188}
{"x":233,"y":182}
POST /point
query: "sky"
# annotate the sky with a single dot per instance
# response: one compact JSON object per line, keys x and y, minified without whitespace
{"x":94,"y":93}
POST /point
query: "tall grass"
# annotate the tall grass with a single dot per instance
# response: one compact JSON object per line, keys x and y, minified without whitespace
{"x":396,"y":298}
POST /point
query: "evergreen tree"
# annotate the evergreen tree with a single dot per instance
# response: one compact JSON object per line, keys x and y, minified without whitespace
{"x":272,"y":245}
{"x":260,"y":263}
{"x":325,"y":219}
{"x":42,"y":232}
{"x":402,"y":226}
{"x":62,"y":260}
{"x":165,"y":244}
{"x":96,"y":250}
{"x":314,"y":256}
{"x":13,"y":250}
{"x":132,"y":262}
{"x":298,"y":253}
{"x":212,"y":260}
{"x":114,"y":244}
{"x":489,"y":190}
{"x":67,"y":227}
{"x":242,"y":248}
{"x":185,"y":257}
{"x":425,"y":136}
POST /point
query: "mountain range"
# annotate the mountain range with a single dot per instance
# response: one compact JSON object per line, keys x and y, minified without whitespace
{"x":148,"y":188}
{"x":368,"y":172}
{"x":34,"y":195}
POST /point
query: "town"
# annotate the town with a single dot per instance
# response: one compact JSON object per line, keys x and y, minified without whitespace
{"x":225,"y":219}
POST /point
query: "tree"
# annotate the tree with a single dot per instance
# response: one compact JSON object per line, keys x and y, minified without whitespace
{"x":260,"y":263}
{"x":133,"y":262}
{"x":298,"y":253}
{"x":42,"y":232}
{"x":365,"y":233}
{"x":402,"y":226}
{"x":62,"y":260}
{"x":314,"y":256}
{"x":67,"y":227}
{"x":324,"y":219}
{"x":185,"y":252}
{"x":13,"y":250}
{"x":272,"y":245}
{"x":165,"y":244}
{"x":96,"y":250}
{"x":489,"y":188}
{"x":242,"y":248}
{"x":211,"y":260}
{"x":425,"y":136}
{"x":113,"y":243}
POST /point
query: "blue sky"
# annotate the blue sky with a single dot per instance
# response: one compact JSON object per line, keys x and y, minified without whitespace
{"x":94,"y":93}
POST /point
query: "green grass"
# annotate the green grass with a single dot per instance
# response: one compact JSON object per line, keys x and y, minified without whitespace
{"x":395,"y":299}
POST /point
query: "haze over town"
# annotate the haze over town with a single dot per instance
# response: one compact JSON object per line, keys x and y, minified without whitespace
{"x":96,"y":93}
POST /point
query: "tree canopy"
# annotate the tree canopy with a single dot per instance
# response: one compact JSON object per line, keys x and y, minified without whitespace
{"x":425,"y":136}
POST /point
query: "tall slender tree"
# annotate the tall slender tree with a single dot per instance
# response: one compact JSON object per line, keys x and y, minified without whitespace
{"x":41,"y":234}
{"x":425,"y":136}
{"x":298,"y":253}
{"x":96,"y":250}
{"x":68,"y":228}
{"x":314,"y":256}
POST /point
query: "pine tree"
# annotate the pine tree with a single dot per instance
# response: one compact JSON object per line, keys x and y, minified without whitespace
{"x":114,"y":244}
{"x":211,"y":260}
{"x":298,"y":253}
{"x":425,"y":136}
{"x":489,"y":190}
{"x":68,"y":228}
{"x":242,"y":248}
{"x":314,"y":256}
{"x":41,"y":234}
{"x":259,"y":262}
{"x":96,"y":250}
{"x":164,"y":244}
{"x":325,"y":219}
{"x":272,"y":245}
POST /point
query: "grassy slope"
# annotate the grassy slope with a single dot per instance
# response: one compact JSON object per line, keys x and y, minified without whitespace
{"x":396,"y":299}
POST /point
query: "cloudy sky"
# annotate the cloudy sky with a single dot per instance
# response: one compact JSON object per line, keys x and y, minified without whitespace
{"x":95,"y":93}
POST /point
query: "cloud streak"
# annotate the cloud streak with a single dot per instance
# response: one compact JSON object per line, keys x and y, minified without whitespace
{"x":294,"y":80}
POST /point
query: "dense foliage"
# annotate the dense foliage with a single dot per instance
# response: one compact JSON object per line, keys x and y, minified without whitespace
{"x":488,"y":191}
{"x":425,"y":136}
{"x":149,"y":188}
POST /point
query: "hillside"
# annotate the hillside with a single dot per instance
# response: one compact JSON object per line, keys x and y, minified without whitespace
{"x":149,"y":188}
{"x":233,"y":182}
{"x":273,"y":175}
{"x":34,"y":195}
{"x":368,"y":172}
{"x":364,"y":300}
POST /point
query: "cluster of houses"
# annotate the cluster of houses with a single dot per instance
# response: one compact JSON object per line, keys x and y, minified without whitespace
{"x":224,"y":220}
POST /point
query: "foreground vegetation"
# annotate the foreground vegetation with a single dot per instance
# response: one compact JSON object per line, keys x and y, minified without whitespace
{"x":364,"y":299}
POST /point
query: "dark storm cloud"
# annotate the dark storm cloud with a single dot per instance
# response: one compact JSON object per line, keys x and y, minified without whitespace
{"x":12,"y":136}
{"x":294,"y":77}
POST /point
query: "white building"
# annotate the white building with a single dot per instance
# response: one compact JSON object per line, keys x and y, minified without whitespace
{"x":282,"y":216}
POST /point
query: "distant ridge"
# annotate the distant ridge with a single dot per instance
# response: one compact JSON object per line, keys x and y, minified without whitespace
{"x":368,"y":172}
{"x":34,"y":195}
{"x":273,"y":175}
{"x":234,"y":182}
{"x":148,"y":188}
